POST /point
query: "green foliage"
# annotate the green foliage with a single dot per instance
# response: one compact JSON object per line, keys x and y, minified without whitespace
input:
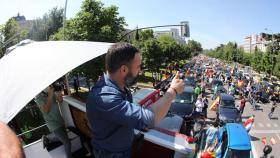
{"x":267,"y":62}
{"x":152,"y":55}
{"x":1,"y":40}
{"x":94,"y":22}
{"x":43,"y":28}
{"x":92,"y":68}
{"x":10,"y":32}
{"x":157,"y":53}
{"x":257,"y":58}
{"x":276,"y":69}
{"x":247,"y":59}
{"x":169,"y":48}
{"x":260,"y":61}
{"x":194,"y":47}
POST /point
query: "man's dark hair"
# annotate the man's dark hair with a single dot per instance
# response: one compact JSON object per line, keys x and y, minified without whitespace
{"x":119,"y":54}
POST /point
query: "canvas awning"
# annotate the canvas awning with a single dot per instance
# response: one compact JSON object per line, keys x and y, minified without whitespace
{"x":28,"y":69}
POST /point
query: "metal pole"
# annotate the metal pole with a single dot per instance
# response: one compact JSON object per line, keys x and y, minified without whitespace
{"x":66,"y":75}
{"x":64,"y":18}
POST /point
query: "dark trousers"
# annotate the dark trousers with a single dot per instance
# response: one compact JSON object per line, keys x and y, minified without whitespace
{"x":106,"y":154}
{"x":62,"y":136}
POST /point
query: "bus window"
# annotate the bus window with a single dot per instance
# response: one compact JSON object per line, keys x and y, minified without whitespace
{"x":237,"y":153}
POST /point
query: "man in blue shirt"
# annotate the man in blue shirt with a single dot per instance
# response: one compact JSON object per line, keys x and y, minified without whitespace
{"x":110,"y":110}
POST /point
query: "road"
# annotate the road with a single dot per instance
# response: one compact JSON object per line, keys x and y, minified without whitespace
{"x":263,"y":127}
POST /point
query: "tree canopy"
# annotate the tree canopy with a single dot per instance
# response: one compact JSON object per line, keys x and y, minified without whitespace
{"x":261,"y":61}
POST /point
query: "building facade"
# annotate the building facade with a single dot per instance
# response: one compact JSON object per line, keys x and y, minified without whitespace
{"x":173,"y":32}
{"x":22,"y":22}
{"x":255,"y":41}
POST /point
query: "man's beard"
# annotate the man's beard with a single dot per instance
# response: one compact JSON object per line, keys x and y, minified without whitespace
{"x":130,"y":79}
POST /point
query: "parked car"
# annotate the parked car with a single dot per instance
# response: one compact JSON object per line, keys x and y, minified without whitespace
{"x":226,"y":110}
{"x":183,"y":104}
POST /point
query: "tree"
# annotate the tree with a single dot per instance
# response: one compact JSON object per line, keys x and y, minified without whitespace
{"x":239,"y":55}
{"x":247,"y":59}
{"x":11,"y":33}
{"x":1,"y":40}
{"x":266,"y":62}
{"x":273,"y":48}
{"x":152,"y":55}
{"x":94,"y":22}
{"x":276,"y":70}
{"x":146,"y":34}
{"x":256,"y":64}
{"x":169,"y":48}
{"x":194,"y":46}
{"x":43,"y":28}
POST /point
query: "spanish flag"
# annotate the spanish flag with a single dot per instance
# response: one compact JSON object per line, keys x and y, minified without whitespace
{"x":272,"y":141}
{"x":249,"y":123}
{"x":215,"y":104}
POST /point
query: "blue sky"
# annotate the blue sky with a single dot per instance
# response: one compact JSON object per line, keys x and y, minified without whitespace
{"x":212,"y":22}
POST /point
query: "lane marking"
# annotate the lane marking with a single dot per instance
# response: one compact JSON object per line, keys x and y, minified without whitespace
{"x":275,"y":125}
{"x":260,"y":124}
{"x":265,"y":131}
{"x":268,"y":124}
{"x":254,"y":151}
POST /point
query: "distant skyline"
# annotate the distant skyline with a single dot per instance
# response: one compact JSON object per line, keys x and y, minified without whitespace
{"x":212,"y":22}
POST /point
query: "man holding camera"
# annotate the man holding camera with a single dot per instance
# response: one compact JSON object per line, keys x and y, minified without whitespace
{"x":48,"y":102}
{"x":110,"y":109}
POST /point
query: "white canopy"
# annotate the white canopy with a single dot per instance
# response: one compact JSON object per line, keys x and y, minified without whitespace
{"x":28,"y":69}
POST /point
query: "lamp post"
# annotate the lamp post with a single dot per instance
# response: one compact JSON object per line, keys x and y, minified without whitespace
{"x":272,"y":51}
{"x":64,"y":18}
{"x":66,"y":75}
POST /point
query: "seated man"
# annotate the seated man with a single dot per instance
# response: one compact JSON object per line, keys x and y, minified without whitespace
{"x":48,"y":102}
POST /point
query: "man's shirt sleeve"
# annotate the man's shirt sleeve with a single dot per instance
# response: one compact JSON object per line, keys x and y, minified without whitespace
{"x":113,"y":107}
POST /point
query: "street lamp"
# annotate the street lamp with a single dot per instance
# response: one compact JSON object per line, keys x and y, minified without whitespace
{"x":66,"y":75}
{"x":64,"y":19}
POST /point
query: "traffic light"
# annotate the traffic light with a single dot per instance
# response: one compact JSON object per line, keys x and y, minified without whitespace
{"x":185,"y":29}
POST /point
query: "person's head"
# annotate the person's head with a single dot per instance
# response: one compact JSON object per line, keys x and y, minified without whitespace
{"x":124,"y":60}
{"x":10,"y":146}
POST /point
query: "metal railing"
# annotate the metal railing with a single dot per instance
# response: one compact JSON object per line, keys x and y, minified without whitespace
{"x":34,"y":129}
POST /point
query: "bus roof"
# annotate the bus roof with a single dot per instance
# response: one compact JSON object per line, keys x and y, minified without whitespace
{"x":238,"y":137}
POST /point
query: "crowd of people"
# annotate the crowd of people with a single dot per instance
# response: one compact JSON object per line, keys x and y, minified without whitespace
{"x":245,"y":87}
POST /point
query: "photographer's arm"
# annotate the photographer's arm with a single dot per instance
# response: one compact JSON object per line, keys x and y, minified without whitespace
{"x":46,"y":107}
{"x":162,"y":106}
